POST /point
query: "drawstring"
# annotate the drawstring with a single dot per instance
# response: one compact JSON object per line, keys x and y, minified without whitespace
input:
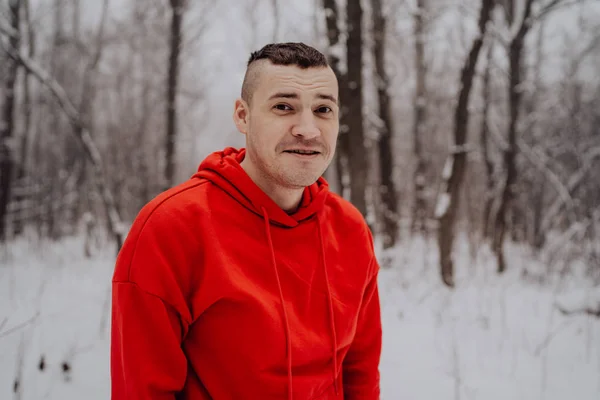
{"x":331,"y":315}
{"x":288,"y":335}
{"x":285,"y":316}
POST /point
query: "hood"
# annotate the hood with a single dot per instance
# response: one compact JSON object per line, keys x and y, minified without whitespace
{"x":223,"y":168}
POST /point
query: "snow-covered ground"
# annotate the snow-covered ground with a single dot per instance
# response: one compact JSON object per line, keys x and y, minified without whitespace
{"x":490,"y":338}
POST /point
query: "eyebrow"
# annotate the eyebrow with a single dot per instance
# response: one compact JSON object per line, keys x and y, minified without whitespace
{"x":291,"y":95}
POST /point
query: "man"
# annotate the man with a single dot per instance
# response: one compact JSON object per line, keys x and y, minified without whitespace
{"x":251,"y":280}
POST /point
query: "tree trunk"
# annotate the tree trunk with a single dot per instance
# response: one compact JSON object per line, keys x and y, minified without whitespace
{"x":455,"y":167}
{"x":485,"y":132}
{"x":357,"y":156}
{"x":76,"y":18}
{"x":7,"y":123}
{"x":515,"y":95}
{"x":23,"y":166}
{"x":537,"y":236}
{"x":333,"y":36}
{"x":419,"y":214}
{"x":177,"y":8}
{"x":388,"y":189}
{"x":86,"y":102}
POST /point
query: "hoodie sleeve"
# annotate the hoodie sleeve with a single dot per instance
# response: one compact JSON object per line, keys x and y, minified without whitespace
{"x":146,"y":358}
{"x":361,"y":365}
{"x":150,"y":316}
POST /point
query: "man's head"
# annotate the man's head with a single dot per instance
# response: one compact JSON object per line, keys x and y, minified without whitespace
{"x":288,"y":106}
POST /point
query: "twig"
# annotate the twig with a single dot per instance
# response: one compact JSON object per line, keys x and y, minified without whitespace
{"x":555,"y":5}
{"x":21,"y":325}
{"x":549,"y":338}
{"x":540,"y":160}
{"x":18,"y":382}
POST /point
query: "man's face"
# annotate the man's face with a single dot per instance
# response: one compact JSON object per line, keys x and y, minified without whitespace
{"x":291,"y":123}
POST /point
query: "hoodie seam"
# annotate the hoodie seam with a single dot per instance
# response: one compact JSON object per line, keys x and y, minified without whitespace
{"x":128,"y":282}
{"x":152,"y":211}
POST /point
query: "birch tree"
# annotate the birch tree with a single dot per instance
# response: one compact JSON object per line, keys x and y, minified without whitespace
{"x":419,"y":213}
{"x":453,"y":173}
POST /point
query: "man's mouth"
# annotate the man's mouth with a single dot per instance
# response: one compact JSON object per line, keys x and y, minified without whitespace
{"x":303,"y":152}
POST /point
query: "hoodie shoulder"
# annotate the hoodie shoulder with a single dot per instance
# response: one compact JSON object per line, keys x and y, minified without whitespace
{"x":171,"y":209}
{"x":342,"y":209}
{"x":161,"y":227}
{"x":176,"y":199}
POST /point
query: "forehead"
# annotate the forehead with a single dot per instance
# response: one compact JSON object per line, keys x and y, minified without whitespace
{"x":274,"y":78}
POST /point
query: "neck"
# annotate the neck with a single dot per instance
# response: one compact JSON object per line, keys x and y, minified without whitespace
{"x":286,"y":198}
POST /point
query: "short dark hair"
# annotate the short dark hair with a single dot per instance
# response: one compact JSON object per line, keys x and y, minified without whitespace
{"x":290,"y":53}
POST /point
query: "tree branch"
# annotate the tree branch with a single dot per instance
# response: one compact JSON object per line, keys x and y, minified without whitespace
{"x":21,"y":325}
{"x":575,"y":180}
{"x":553,"y":6}
{"x":540,"y":160}
{"x":81,"y":131}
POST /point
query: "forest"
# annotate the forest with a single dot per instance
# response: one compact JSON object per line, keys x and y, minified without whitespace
{"x":464,"y":123}
{"x":491,"y":131}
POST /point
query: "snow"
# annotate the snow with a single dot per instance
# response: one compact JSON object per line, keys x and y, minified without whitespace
{"x":441,"y":207}
{"x":490,"y":338}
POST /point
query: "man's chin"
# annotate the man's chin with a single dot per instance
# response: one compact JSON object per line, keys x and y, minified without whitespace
{"x":299,"y":182}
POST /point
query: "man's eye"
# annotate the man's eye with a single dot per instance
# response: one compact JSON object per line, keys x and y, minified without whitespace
{"x":283,"y":107}
{"x":324,"y":109}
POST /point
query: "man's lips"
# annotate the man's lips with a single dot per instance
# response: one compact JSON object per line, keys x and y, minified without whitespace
{"x":307,"y":152}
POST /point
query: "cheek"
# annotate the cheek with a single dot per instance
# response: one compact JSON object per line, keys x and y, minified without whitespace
{"x":272,"y":132}
{"x":265,"y":136}
{"x":330,"y":133}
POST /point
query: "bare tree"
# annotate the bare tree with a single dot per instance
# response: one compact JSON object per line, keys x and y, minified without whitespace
{"x":515,"y":94}
{"x":334,"y":36}
{"x":7,"y":121}
{"x":81,"y":133}
{"x":515,"y":54}
{"x":88,"y":87}
{"x":354,"y":49}
{"x":386,"y":169}
{"x":177,"y":10}
{"x":28,"y":126}
{"x":485,"y":143}
{"x":455,"y":166}
{"x":419,"y":214}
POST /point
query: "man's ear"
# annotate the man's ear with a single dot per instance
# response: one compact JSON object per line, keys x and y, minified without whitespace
{"x":241,"y":115}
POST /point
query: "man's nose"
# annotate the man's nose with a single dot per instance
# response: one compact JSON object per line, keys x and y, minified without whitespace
{"x":306,"y":127}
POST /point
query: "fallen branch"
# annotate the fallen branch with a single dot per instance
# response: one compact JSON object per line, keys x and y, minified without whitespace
{"x":20,"y":326}
{"x":594,"y":312}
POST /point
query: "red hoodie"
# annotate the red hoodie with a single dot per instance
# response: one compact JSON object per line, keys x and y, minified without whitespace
{"x":220,"y":294}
